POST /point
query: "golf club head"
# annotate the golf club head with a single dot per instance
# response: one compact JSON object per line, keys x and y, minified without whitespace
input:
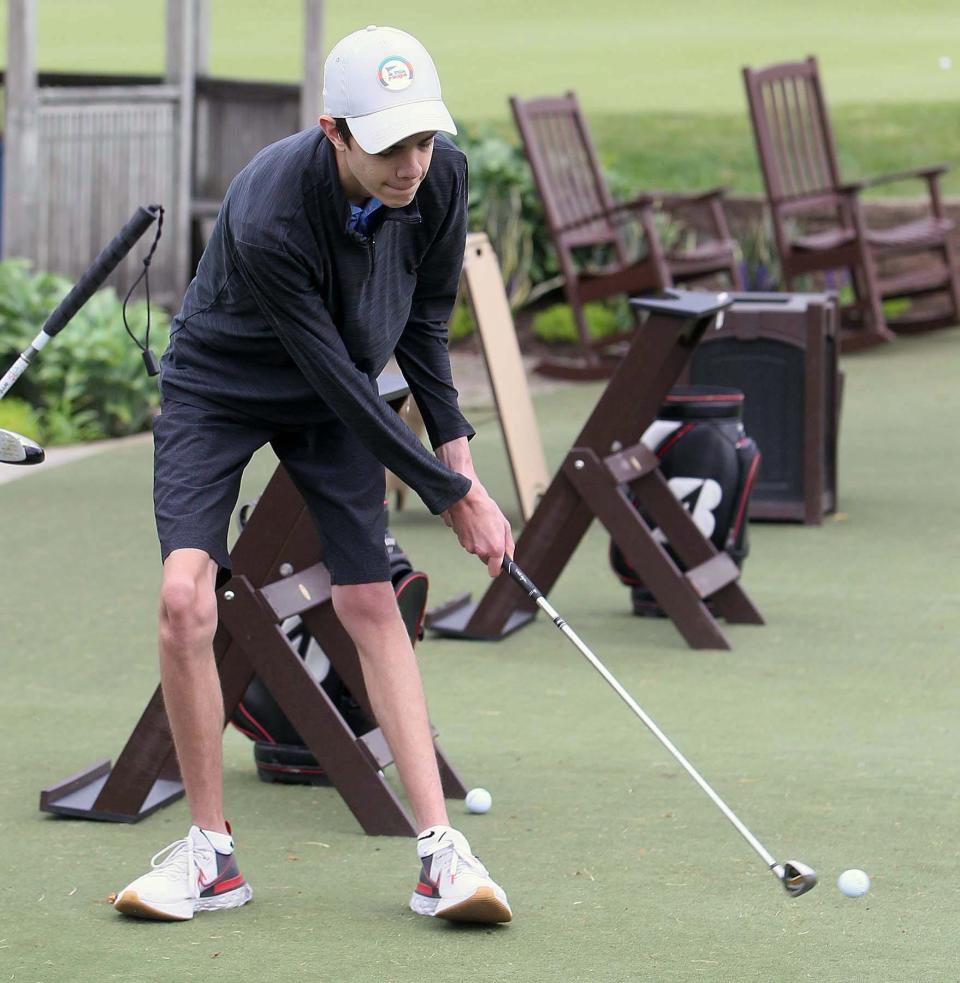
{"x":17,"y":449}
{"x":797,"y":878}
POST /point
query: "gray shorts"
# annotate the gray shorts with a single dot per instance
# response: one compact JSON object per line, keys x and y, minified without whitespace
{"x":199,"y":457}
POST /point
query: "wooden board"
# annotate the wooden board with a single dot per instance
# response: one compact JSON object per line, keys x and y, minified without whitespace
{"x":508,"y":380}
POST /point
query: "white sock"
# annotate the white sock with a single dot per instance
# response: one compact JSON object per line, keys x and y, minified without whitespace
{"x":221,"y":842}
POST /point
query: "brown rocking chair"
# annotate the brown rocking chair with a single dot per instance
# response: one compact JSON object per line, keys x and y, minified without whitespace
{"x":799,"y":163}
{"x":582,"y":215}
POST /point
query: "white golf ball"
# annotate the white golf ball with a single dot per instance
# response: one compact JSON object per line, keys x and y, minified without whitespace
{"x":478,"y":800}
{"x":853,"y":883}
{"x":946,"y":63}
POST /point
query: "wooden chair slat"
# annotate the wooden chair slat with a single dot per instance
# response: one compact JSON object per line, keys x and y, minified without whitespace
{"x":581,"y":213}
{"x":801,"y":175}
{"x":807,"y":169}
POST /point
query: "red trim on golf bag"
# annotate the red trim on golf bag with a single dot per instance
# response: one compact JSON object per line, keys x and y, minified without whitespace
{"x":286,"y":769}
{"x":750,"y":449}
{"x":684,"y":396}
{"x":414,"y":619}
{"x":264,"y":734}
{"x":672,"y":439}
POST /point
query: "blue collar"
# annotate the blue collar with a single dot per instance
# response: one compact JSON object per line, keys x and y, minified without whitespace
{"x":360,"y":216}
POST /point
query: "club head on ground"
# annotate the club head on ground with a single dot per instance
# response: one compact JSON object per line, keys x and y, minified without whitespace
{"x":796,"y":878}
{"x":17,"y":449}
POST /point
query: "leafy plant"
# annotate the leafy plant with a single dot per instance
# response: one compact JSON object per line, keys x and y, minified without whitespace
{"x":504,"y":204}
{"x":893,"y":308}
{"x":461,"y":324}
{"x":89,"y":382}
{"x":556,"y":324}
{"x":19,"y":416}
{"x":759,"y":264}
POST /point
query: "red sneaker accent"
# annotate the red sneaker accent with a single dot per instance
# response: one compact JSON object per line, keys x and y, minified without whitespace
{"x":228,"y":885}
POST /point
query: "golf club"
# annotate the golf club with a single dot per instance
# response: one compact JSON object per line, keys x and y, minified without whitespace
{"x":15,"y":448}
{"x":796,"y":877}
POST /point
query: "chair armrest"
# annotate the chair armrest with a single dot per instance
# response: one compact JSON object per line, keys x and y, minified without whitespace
{"x":810,"y":202}
{"x":919,"y":172}
{"x":681,"y":200}
{"x":850,"y":189}
{"x":633,"y":205}
{"x":705,"y":204}
{"x":815,"y":199}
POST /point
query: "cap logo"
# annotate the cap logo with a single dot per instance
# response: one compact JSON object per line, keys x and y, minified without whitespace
{"x":395,"y":73}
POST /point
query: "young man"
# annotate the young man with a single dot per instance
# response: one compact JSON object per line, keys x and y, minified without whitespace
{"x":333,"y":250}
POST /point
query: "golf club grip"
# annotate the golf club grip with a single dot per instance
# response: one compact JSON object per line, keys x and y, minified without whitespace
{"x":510,"y":567}
{"x":101,"y":268}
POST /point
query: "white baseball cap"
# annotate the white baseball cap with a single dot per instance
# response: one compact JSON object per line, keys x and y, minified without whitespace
{"x":384,"y":83}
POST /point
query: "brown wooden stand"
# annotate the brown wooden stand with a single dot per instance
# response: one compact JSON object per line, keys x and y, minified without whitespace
{"x":606,"y":468}
{"x":277,"y":572}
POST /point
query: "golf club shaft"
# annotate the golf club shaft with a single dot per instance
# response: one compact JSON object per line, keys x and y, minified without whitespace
{"x":531,"y":589}
{"x":21,"y":364}
{"x":88,"y":284}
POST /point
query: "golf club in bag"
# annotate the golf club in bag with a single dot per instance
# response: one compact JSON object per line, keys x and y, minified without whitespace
{"x":796,"y":877}
{"x":14,"y":447}
{"x":279,"y":752}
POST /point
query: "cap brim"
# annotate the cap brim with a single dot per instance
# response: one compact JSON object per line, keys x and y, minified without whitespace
{"x":377,"y":131}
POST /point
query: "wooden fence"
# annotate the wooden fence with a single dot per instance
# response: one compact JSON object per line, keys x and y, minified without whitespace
{"x":81,"y":152}
{"x":235,"y":119}
{"x":100,"y":152}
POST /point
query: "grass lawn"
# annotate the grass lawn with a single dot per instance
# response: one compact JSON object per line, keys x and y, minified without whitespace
{"x":660,"y":83}
{"x":832,"y":731}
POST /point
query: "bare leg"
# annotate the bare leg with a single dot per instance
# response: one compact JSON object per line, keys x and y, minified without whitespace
{"x":191,"y":686}
{"x":370,"y":615}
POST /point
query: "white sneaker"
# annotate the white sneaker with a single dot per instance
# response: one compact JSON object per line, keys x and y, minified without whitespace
{"x":187,"y":876}
{"x":453,"y":883}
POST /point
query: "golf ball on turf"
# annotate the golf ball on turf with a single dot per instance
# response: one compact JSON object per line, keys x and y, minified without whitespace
{"x":853,"y":883}
{"x":478,"y":800}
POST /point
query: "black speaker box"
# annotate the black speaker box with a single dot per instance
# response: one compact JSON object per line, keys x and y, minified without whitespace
{"x":781,"y":351}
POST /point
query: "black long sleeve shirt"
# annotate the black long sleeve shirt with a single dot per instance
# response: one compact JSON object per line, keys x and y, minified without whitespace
{"x":291,"y":317}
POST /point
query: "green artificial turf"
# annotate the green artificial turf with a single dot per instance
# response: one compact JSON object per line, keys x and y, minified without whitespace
{"x":832,"y":731}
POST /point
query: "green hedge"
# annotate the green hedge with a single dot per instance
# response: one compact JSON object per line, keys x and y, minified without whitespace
{"x":555,"y":324}
{"x":505,"y":205}
{"x":89,"y":382}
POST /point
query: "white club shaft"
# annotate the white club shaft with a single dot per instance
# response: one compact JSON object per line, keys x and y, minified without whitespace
{"x":16,"y":370}
{"x":20,"y":365}
{"x":654,"y":729}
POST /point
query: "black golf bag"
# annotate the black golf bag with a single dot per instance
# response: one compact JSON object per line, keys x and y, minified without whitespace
{"x":710,"y":464}
{"x":279,"y":751}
